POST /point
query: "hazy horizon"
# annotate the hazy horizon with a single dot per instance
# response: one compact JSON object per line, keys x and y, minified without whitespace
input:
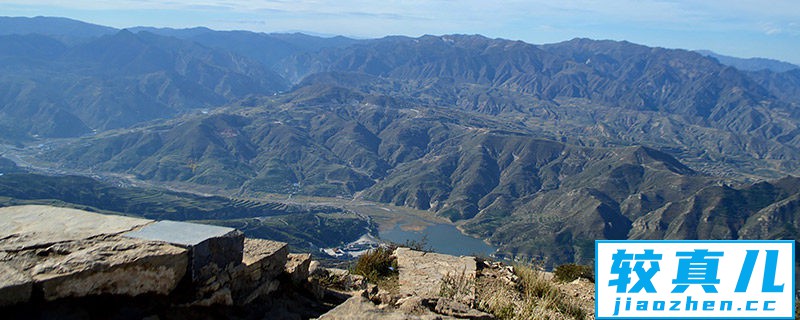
{"x":742,"y":29}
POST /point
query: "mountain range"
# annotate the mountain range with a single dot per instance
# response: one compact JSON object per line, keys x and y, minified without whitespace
{"x":751,"y":64}
{"x":539,"y":149}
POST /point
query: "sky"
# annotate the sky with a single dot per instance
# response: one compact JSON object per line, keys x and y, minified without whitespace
{"x":741,"y":28}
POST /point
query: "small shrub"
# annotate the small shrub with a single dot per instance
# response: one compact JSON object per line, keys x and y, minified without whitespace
{"x":418,"y":245}
{"x":570,"y":272}
{"x":375,"y":265}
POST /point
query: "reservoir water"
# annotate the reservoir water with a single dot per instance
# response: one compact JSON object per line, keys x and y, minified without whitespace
{"x":441,"y":238}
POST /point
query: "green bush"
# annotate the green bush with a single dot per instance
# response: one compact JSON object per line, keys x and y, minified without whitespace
{"x":570,"y":272}
{"x":375,"y":265}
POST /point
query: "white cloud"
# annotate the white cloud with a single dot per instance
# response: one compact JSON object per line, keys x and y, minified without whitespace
{"x":770,"y":29}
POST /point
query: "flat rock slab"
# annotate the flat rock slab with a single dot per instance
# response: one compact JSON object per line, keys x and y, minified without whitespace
{"x":263,"y":251}
{"x":15,"y":286}
{"x":180,"y":233}
{"x":207,"y":244}
{"x":30,"y":226}
{"x":116,"y":265}
{"x":421,"y":273}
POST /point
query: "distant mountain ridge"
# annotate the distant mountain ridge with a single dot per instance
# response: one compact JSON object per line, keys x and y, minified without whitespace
{"x":62,"y":28}
{"x":617,"y":73}
{"x":629,"y":93}
{"x":751,"y":64}
{"x":65,"y":78}
{"x":116,"y":81}
{"x":784,"y":85}
{"x":267,"y":49}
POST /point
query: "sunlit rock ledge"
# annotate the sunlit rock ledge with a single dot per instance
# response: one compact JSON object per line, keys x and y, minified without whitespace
{"x":49,"y":253}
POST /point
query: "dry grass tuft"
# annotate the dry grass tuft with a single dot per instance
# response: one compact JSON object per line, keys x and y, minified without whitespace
{"x":533,"y":297}
{"x":459,"y":287}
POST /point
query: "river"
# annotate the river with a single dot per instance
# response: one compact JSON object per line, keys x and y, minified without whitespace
{"x":441,"y":238}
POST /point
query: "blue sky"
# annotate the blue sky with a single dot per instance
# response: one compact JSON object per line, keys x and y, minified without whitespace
{"x":743,"y":28}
